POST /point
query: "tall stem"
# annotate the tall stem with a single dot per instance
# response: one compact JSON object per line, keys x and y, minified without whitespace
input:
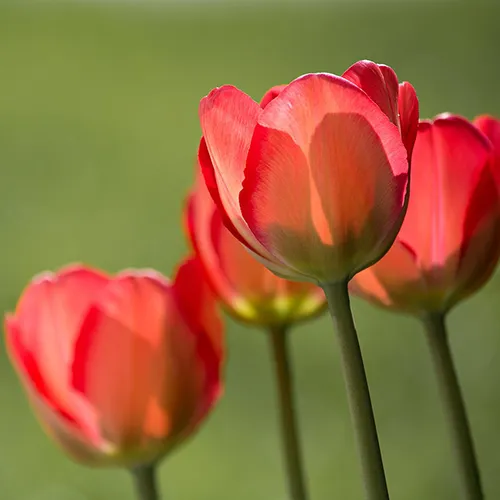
{"x":357,"y":391}
{"x":454,"y":406}
{"x":145,"y":483}
{"x":293,"y":457}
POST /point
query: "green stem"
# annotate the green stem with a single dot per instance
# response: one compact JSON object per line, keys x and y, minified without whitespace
{"x":145,"y":482}
{"x":357,"y":391}
{"x":454,"y":406}
{"x":296,"y":482}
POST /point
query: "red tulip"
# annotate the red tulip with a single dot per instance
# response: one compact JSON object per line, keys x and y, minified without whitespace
{"x":119,"y":369}
{"x":449,"y":243}
{"x":314,"y":183}
{"x":248,"y":290}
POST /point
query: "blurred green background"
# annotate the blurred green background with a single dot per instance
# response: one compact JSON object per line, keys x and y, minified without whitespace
{"x":98,"y":132}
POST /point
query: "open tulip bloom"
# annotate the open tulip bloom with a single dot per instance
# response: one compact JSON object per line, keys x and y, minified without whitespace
{"x":448,"y":247}
{"x":120,"y":370}
{"x":314,"y":183}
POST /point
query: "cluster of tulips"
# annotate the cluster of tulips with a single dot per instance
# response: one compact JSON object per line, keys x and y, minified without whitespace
{"x":330,"y":186}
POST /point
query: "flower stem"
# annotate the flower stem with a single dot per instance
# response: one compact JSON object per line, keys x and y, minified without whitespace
{"x":454,"y":406}
{"x":293,"y":457}
{"x":145,"y":482}
{"x":357,"y":392}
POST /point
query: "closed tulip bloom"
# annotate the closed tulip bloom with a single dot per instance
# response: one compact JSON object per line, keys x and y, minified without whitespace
{"x":248,"y":290}
{"x":119,"y":369}
{"x":314,"y":182}
{"x":449,"y":243}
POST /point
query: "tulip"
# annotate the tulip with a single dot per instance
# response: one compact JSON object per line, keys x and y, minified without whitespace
{"x":119,"y":370}
{"x":447,"y":249}
{"x":314,"y":184}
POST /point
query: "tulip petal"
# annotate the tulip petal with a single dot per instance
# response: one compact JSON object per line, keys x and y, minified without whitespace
{"x":68,"y":421}
{"x":200,"y":312}
{"x":379,"y":82}
{"x":232,"y":219}
{"x":448,"y":161}
{"x":243,"y":234}
{"x":480,"y":249}
{"x":312,"y":188}
{"x":395,"y":279}
{"x":408,"y":116}
{"x":490,"y":127}
{"x":228,"y":117}
{"x":135,"y":363}
{"x":28,"y":367}
{"x":271,"y":94}
{"x":48,"y":318}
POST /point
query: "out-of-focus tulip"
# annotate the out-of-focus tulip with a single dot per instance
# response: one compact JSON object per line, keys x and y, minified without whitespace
{"x":449,"y":243}
{"x":315,"y":182}
{"x":248,"y":290}
{"x":118,"y":369}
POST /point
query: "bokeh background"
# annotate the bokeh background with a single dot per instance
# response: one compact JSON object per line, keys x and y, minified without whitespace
{"x":98,"y":132}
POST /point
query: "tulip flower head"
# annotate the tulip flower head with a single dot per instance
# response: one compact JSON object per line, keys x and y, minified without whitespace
{"x":248,"y":290}
{"x":314,"y":183}
{"x":449,"y":243}
{"x":118,"y":369}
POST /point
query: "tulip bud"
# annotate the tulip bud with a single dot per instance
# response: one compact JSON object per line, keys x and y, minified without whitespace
{"x":121,"y":369}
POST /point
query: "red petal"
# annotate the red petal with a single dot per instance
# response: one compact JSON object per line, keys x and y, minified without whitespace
{"x":48,"y":316}
{"x":408,"y":115}
{"x":197,"y":305}
{"x":490,"y":127}
{"x":379,"y":82}
{"x":60,"y":424}
{"x":208,"y":174}
{"x":228,"y":117}
{"x":28,"y":367}
{"x":271,"y":94}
